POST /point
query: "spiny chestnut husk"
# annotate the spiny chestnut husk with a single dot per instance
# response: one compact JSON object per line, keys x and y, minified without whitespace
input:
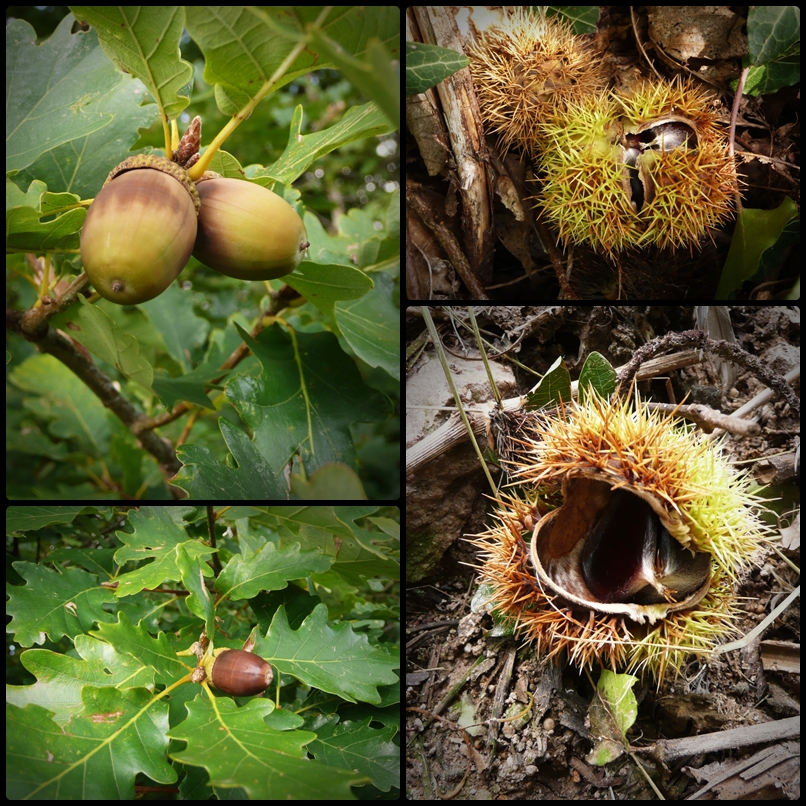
{"x":527,"y":67}
{"x":247,"y":231}
{"x":241,"y":673}
{"x":140,"y":229}
{"x":637,"y":565}
{"x":647,"y":167}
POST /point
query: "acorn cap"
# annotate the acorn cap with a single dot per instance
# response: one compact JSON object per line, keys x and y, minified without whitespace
{"x":158,"y":163}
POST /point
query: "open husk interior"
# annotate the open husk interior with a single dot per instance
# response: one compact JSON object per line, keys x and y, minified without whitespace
{"x":602,"y":446}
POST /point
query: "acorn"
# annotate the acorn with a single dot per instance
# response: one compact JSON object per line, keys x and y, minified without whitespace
{"x":240,"y":673}
{"x":247,"y":231}
{"x":140,"y":229}
{"x":636,"y":567}
{"x":650,"y":167}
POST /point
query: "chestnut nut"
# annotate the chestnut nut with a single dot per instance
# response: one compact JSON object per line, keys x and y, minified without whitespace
{"x":241,"y":673}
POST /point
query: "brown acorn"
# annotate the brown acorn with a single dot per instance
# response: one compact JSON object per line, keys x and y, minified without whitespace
{"x":246,"y":231}
{"x":140,"y":229}
{"x":241,"y":673}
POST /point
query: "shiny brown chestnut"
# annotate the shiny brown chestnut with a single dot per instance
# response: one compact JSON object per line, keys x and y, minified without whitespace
{"x":630,"y":556}
{"x":240,"y":673}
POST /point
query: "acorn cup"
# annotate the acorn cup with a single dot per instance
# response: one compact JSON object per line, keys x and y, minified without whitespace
{"x":140,"y":229}
{"x":247,"y":231}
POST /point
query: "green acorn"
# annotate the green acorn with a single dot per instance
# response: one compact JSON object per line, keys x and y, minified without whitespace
{"x":648,"y":167}
{"x":140,"y":229}
{"x":247,"y":231}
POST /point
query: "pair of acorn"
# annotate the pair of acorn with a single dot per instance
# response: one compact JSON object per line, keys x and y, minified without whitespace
{"x":150,"y":216}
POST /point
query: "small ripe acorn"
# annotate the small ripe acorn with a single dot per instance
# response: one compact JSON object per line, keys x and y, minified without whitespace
{"x":247,"y":231}
{"x":241,"y":673}
{"x":140,"y":229}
